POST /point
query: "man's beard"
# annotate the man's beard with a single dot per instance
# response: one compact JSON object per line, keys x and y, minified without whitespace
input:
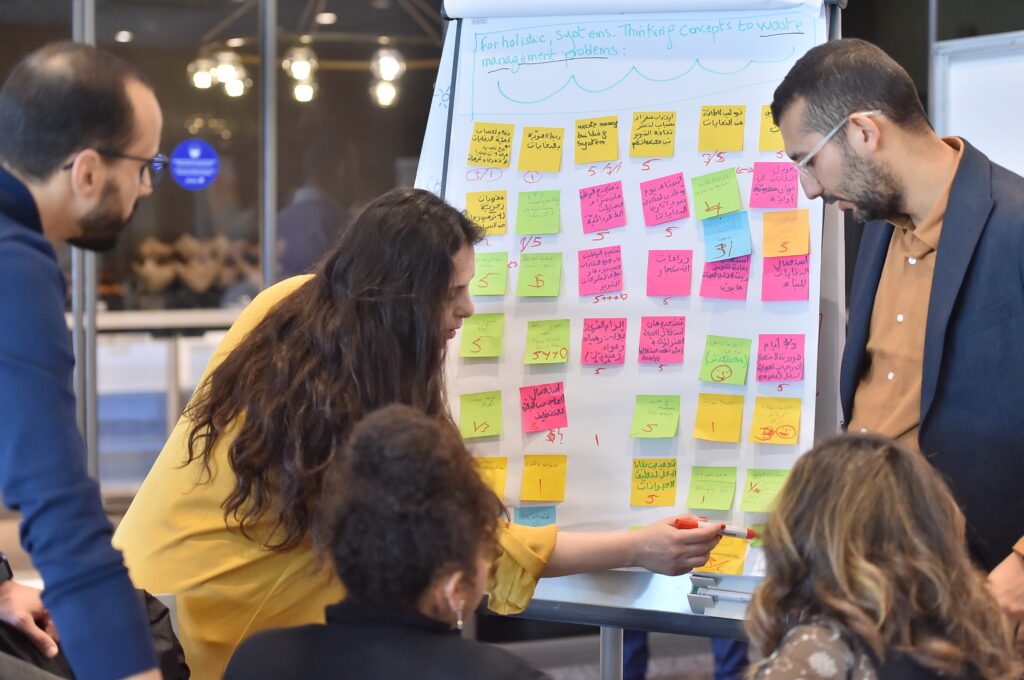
{"x":872,"y":189}
{"x":103,"y":224}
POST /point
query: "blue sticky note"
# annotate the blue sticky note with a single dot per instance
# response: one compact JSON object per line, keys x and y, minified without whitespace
{"x":534,"y":516}
{"x":726,"y":237}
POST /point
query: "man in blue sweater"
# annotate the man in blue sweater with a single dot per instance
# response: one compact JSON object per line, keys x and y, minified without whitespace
{"x":79,"y":130}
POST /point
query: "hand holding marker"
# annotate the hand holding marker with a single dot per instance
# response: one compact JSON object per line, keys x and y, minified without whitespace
{"x":725,"y":530}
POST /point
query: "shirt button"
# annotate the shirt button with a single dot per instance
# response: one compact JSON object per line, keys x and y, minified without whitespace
{"x":891,"y":375}
{"x":912,"y":260}
{"x":899,"y":318}
{"x":863,"y":429}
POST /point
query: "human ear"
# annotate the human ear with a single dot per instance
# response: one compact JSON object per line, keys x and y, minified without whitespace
{"x":454,"y":587}
{"x":864,"y":132}
{"x":87,"y":174}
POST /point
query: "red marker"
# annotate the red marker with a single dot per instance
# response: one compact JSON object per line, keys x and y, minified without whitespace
{"x":722,"y":528}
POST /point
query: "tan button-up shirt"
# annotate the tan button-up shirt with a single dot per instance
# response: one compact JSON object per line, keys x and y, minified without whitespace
{"x":888,"y":397}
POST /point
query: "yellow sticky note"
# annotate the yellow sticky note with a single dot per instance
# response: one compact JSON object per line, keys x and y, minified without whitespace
{"x":787,"y":233}
{"x":489,"y":209}
{"x":776,"y":420}
{"x":760,"y":490}
{"x":480,"y":414}
{"x":654,"y":482}
{"x":719,"y":417}
{"x":727,"y":557}
{"x":721,"y":128}
{"x":543,"y":478}
{"x":481,"y":335}
{"x":653,"y":134}
{"x":491,"y":145}
{"x":655,"y":416}
{"x":541,"y":149}
{"x":597,"y":139}
{"x":547,"y":342}
{"x":494,"y":471}
{"x":711,"y":488}
{"x":491,"y":274}
{"x":770,"y":138}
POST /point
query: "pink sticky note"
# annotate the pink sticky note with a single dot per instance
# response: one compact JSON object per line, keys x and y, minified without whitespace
{"x":662,"y":339}
{"x":669,"y":272}
{"x":664,"y":199}
{"x":543,"y":407}
{"x":780,"y":358}
{"x":602,"y":207}
{"x":785,"y":278}
{"x":726,"y":279}
{"x":604,"y":341}
{"x":600,"y":270}
{"x":775,"y":185}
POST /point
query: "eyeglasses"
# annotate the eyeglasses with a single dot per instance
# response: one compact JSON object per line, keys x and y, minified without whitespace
{"x":156,"y":165}
{"x":801,"y":165}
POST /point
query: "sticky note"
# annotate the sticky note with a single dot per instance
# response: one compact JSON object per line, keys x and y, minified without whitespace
{"x":780,"y":358}
{"x":547,"y":342}
{"x":538,"y":212}
{"x":761,"y":488}
{"x":728,"y":557}
{"x":721,"y":128}
{"x":600,"y":270}
{"x":655,"y":416}
{"x":669,"y":272}
{"x":480,"y":414}
{"x":770,"y":138}
{"x":653,"y":134}
{"x":654,"y":482}
{"x":541,"y":149}
{"x":719,"y":417}
{"x":726,"y":237}
{"x":725,"y":360}
{"x":759,"y":529}
{"x":543,"y":408}
{"x":481,"y":335}
{"x":491,"y":274}
{"x":534,"y":515}
{"x":664,"y":199}
{"x":716,"y":193}
{"x":726,"y":279}
{"x":711,"y":488}
{"x":602,"y":207}
{"x":604,"y":341}
{"x":491,"y":145}
{"x":540,"y":275}
{"x":786,"y":278}
{"x":494,"y":471}
{"x":543,"y":478}
{"x":489,"y":209}
{"x":662,"y":339}
{"x":775,"y":185}
{"x":786,"y":233}
{"x":776,"y":420}
{"x":597,"y":139}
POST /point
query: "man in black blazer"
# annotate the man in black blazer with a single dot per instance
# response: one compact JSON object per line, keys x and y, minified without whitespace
{"x":936,"y":316}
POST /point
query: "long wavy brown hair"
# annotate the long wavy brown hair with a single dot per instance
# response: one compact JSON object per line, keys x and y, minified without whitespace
{"x":365,"y":331}
{"x":865,"y":534}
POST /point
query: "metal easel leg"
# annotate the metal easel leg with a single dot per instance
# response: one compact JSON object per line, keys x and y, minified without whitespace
{"x":611,"y":653}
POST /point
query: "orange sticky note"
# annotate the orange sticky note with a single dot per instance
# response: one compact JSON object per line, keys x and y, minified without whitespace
{"x":786,"y":233}
{"x":776,"y":420}
{"x":494,"y":471}
{"x":491,"y":145}
{"x":727,"y":557}
{"x":770,"y":138}
{"x":543,"y":478}
{"x":654,"y":482}
{"x":721,"y":128}
{"x":541,"y":149}
{"x":719,"y":417}
{"x":597,"y":139}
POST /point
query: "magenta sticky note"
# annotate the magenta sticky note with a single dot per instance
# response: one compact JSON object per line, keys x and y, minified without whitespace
{"x":726,"y":279}
{"x":780,"y":358}
{"x":669,"y":272}
{"x":604,"y":341}
{"x":786,"y":278}
{"x":664,"y":199}
{"x":602,"y":207}
{"x":600,"y":270}
{"x":662,"y":339}
{"x":543,"y":407}
{"x":775,"y":185}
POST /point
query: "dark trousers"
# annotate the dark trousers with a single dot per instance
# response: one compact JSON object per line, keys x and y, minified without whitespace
{"x":18,"y":656}
{"x":635,"y":654}
{"x":730,"y":658}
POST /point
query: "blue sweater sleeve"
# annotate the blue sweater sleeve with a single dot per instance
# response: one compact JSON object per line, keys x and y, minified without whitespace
{"x":43,"y":474}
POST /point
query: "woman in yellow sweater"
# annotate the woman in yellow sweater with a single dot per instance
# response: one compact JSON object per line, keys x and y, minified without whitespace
{"x":226,"y":518}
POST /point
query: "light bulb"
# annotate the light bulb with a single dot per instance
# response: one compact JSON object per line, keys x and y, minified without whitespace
{"x":304,"y":92}
{"x":300,"y":62}
{"x":387,"y":64}
{"x":201,"y":72}
{"x":384,"y":93}
{"x":229,"y":66}
{"x":234,"y":88}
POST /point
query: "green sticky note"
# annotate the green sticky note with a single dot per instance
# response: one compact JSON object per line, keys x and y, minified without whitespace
{"x":481,"y":335}
{"x":759,"y":541}
{"x":717,"y":193}
{"x":761,"y":489}
{"x":540,"y":275}
{"x":538,"y":212}
{"x":725,"y":360}
{"x":547,"y":342}
{"x":711,"y":488}
{"x":491,"y":275}
{"x":655,"y":416}
{"x":480,"y":414}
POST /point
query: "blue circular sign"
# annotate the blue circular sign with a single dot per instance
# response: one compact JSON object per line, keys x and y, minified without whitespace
{"x":194,"y":164}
